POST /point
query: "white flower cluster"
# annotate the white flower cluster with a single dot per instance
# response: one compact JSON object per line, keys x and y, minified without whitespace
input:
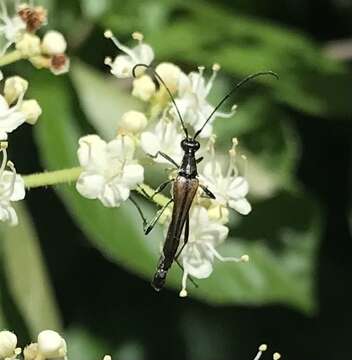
{"x":49,"y":345}
{"x":20,"y":30}
{"x":14,"y":111}
{"x":110,"y":171}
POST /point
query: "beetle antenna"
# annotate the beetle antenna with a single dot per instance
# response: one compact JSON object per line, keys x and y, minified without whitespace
{"x":167,"y":89}
{"x":234,"y":89}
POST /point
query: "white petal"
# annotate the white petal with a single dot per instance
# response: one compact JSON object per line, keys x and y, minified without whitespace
{"x":3,"y":105}
{"x":144,"y":53}
{"x":238,"y":188}
{"x":19,"y":191}
{"x":241,"y":205}
{"x":121,"y":148}
{"x":11,"y":121}
{"x":90,"y":185}
{"x":122,"y":66}
{"x":150,"y":143}
{"x":199,"y":269}
{"x":92,"y":151}
{"x":133,"y":174}
{"x":114,"y":195}
{"x":8,"y":214}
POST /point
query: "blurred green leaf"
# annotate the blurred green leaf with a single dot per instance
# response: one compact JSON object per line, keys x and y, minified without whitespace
{"x":102,"y":98}
{"x":118,"y":234}
{"x":83,"y":345}
{"x":27,"y":276}
{"x":309,"y":81}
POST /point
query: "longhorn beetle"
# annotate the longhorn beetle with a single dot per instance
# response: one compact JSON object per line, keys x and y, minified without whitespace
{"x":185,"y":186}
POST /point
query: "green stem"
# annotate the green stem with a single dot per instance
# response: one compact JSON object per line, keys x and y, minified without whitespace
{"x":70,"y":175}
{"x":10,"y":57}
{"x":52,"y":177}
{"x":159,"y":199}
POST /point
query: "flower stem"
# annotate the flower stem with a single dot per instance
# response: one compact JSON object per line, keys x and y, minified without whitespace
{"x":52,"y":177}
{"x":10,"y":57}
{"x":147,"y":192}
{"x":69,"y":175}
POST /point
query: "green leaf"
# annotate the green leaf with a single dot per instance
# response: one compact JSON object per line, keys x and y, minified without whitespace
{"x":283,"y":277}
{"x":101,"y":98}
{"x":309,"y":81}
{"x":27,"y":276}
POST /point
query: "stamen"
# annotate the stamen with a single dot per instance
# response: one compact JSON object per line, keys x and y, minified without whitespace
{"x":137,"y":36}
{"x":261,"y":349}
{"x":183,"y":293}
{"x":215,"y":68}
{"x":109,"y":35}
{"x":108,"y":61}
{"x":4,"y":158}
{"x":243,"y":258}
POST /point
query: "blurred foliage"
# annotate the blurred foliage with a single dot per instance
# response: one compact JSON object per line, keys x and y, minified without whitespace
{"x":282,"y":235}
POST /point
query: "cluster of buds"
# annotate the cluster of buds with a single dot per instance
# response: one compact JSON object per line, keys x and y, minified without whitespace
{"x":158,"y":130}
{"x":21,"y":30}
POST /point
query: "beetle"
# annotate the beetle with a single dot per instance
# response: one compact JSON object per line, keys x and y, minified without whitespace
{"x":185,"y":185}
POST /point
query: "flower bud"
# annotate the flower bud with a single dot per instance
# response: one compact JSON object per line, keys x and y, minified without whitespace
{"x":33,"y":17}
{"x":32,"y":110}
{"x":59,"y":64}
{"x":53,"y":43}
{"x":51,"y":344}
{"x":14,"y":87}
{"x":143,"y":88}
{"x":8,"y":343}
{"x":30,"y":352}
{"x":29,"y":45}
{"x":133,"y":121}
{"x":170,"y":73}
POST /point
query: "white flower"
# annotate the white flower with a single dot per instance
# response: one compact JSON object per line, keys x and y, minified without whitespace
{"x":59,"y":64}
{"x":133,"y":121}
{"x":198,"y":255}
{"x":53,"y":43}
{"x":109,"y":171}
{"x":8,"y":345}
{"x":31,"y":110}
{"x":229,"y":189}
{"x":11,"y":189}
{"x":192,"y":101}
{"x":165,"y":138}
{"x":122,"y":66}
{"x":51,"y":345}
{"x":11,"y":117}
{"x":12,"y":28}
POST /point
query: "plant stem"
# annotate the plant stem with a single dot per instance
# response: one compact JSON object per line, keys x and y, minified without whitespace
{"x":52,"y":177}
{"x":70,"y":175}
{"x":10,"y":57}
{"x":159,"y":199}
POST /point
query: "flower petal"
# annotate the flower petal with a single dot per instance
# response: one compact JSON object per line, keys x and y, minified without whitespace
{"x":238,"y":188}
{"x":133,"y":174}
{"x":150,"y":143}
{"x":90,"y":185}
{"x":241,"y":205}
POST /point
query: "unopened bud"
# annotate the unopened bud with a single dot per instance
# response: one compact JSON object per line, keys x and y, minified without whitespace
{"x":170,"y":73}
{"x":30,"y":352}
{"x":29,"y":45}
{"x":143,"y":88}
{"x":53,"y":43}
{"x":59,"y":64}
{"x":276,"y":356}
{"x":14,"y":87}
{"x":8,"y":344}
{"x":133,"y":121}
{"x":32,"y":110}
{"x":51,"y":344}
{"x":183,"y":293}
{"x":33,"y":17}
